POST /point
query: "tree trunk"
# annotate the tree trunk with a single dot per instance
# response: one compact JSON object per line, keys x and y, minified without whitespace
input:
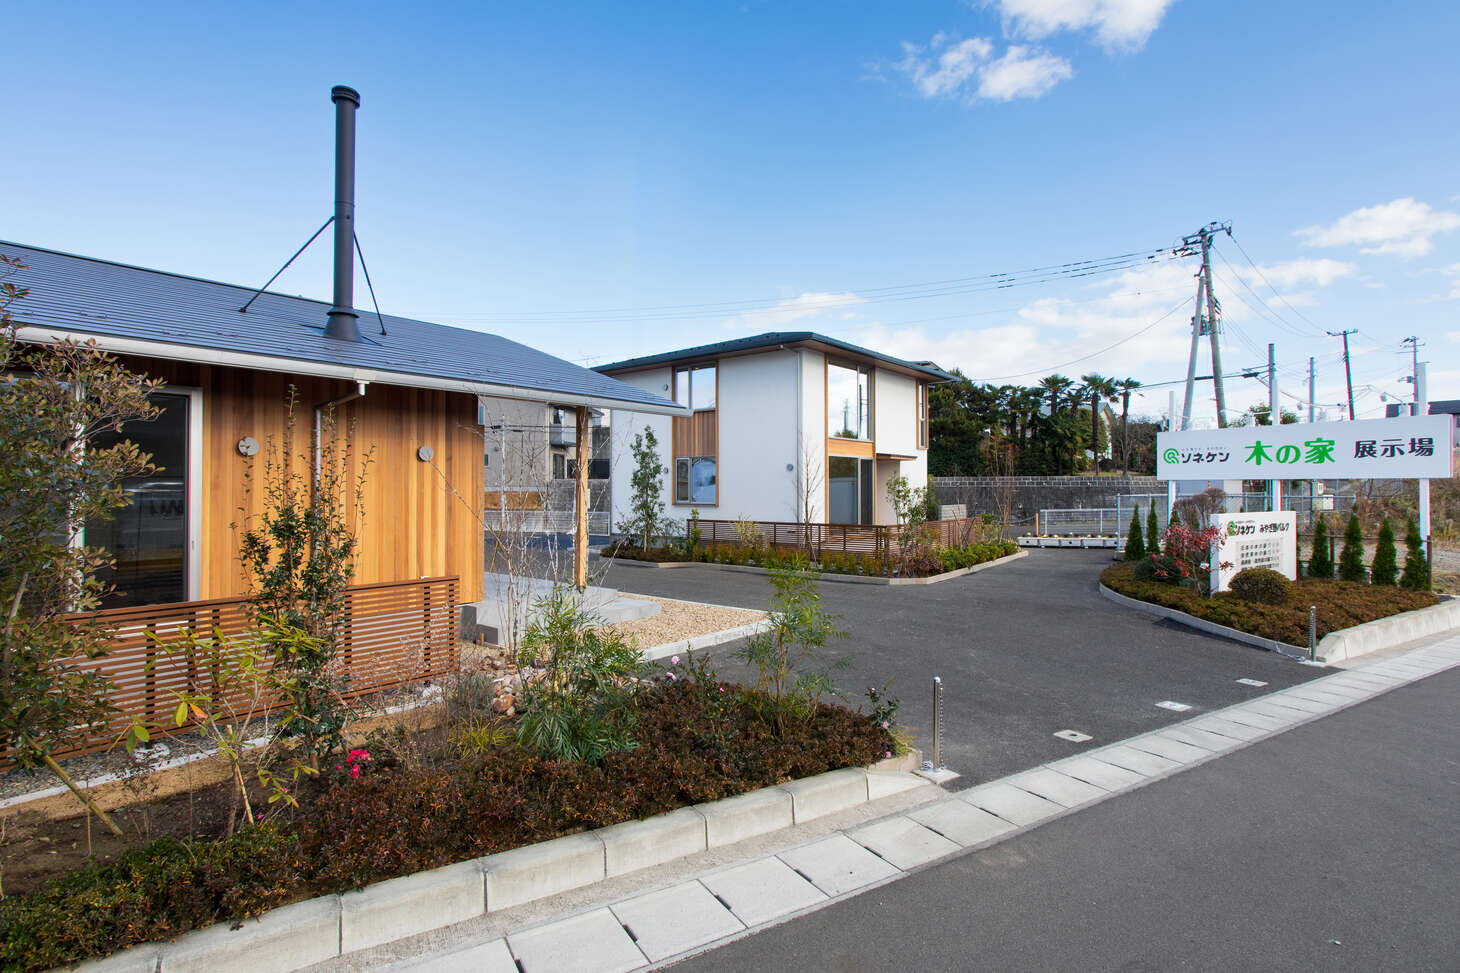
{"x":81,"y":796}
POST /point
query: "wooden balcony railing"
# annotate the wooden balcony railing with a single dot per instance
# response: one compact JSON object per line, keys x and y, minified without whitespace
{"x":396,"y":634}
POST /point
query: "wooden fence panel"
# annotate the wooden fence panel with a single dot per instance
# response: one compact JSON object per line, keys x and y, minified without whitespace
{"x":396,"y":634}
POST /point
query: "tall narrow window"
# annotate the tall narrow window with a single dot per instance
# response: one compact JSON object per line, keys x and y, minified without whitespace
{"x":149,"y":536}
{"x":922,"y":415}
{"x":695,"y":387}
{"x":849,"y":401}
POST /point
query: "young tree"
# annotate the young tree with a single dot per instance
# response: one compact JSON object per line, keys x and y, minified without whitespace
{"x":1416,"y":576}
{"x":1153,"y":530}
{"x":1385,"y":569}
{"x":54,"y":401}
{"x":1135,"y":543}
{"x":646,"y":504}
{"x":1351,"y":558}
{"x":1320,"y":565}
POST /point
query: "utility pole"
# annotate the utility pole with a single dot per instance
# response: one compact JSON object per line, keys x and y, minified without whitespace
{"x":1310,"y":389}
{"x":1274,"y":416}
{"x":1348,"y":372}
{"x":1414,"y":343}
{"x":1204,"y":322}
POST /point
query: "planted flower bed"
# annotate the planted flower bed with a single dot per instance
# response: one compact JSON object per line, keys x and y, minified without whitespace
{"x":1340,"y":604}
{"x":921,"y":564}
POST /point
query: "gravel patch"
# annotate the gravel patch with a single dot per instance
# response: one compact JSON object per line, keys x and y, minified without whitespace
{"x":680,"y":620}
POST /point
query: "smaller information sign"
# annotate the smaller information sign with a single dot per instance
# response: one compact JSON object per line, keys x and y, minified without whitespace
{"x":1263,"y":540}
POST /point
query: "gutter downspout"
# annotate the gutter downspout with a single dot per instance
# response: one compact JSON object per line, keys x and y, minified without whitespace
{"x":359,"y":393}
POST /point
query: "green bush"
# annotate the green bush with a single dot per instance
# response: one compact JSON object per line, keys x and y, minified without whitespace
{"x":1158,"y":568}
{"x":1320,"y":565}
{"x":1153,"y":530}
{"x":1385,"y":569}
{"x":1351,"y":558}
{"x":1135,"y":541}
{"x":153,"y":892}
{"x":1416,"y":575}
{"x":1262,"y":586}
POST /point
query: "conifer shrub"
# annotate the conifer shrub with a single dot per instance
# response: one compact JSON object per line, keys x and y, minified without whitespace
{"x":1416,"y":576}
{"x":1153,"y":530}
{"x":1135,"y":542}
{"x":1320,"y":565}
{"x":1351,"y":558}
{"x":1385,"y":569}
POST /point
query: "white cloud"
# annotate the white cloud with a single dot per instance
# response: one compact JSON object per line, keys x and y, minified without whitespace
{"x":945,"y":68}
{"x":1023,"y":72}
{"x":1320,"y":273}
{"x":1118,"y":24}
{"x":1404,"y":227}
{"x":782,"y":313}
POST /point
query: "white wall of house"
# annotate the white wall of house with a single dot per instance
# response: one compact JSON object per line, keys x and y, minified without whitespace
{"x":526,"y":464}
{"x":895,"y":430}
{"x":623,"y":427}
{"x":757,"y":416}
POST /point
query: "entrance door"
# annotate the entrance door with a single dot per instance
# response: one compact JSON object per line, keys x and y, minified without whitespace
{"x":150,"y":536}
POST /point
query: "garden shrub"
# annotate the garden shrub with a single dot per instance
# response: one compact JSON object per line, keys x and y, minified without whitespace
{"x":153,"y":892}
{"x":1416,"y":576}
{"x":1262,"y":586}
{"x":1385,"y":569}
{"x":1153,"y":530}
{"x":1158,"y":568}
{"x":1320,"y":565}
{"x":1351,"y":558}
{"x":1135,"y":541}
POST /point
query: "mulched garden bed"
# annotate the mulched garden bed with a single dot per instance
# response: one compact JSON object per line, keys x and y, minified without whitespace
{"x":1340,"y":604}
{"x":423,"y":799}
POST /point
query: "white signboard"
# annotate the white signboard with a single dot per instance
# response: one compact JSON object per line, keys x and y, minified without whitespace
{"x":1405,"y":447}
{"x":1254,"y":541}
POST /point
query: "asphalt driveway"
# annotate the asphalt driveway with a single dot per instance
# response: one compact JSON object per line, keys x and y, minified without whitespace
{"x":1024,"y":650}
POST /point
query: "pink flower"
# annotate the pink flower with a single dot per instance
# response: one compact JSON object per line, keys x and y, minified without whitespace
{"x":674,"y":660}
{"x":884,"y":724}
{"x":671,"y":675}
{"x":888,"y":754}
{"x":355,"y":772}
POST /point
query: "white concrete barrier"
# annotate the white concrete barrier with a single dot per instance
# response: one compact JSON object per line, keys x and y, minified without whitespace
{"x":400,"y":907}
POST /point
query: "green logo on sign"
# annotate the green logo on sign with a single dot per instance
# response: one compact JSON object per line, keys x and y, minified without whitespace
{"x":1171,"y":455}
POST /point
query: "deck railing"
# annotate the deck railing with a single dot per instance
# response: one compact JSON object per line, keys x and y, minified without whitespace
{"x":395,"y":634}
{"x":818,"y":539}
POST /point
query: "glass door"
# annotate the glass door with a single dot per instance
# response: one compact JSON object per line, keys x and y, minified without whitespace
{"x":849,"y":490}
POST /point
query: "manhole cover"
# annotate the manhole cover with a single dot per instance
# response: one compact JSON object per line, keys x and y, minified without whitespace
{"x":1074,"y":736}
{"x":1252,"y":682}
{"x":1174,"y":706}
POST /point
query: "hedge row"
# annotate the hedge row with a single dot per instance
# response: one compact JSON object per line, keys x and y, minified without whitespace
{"x":937,"y":561}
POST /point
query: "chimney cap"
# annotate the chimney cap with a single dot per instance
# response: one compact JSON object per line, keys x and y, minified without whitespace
{"x":342,"y":92}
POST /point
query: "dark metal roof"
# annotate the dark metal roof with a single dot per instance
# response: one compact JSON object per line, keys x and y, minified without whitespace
{"x":1449,"y":407}
{"x":773,"y":339}
{"x":111,"y":300}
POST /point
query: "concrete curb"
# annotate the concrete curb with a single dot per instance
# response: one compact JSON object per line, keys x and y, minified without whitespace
{"x":706,"y":641}
{"x":1201,"y":624}
{"x":837,"y":578}
{"x":309,"y":932}
{"x":1385,"y":633}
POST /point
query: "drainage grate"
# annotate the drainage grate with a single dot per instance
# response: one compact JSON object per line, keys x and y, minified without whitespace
{"x":1174,"y":706}
{"x":1074,"y":736}
{"x":1252,"y":682}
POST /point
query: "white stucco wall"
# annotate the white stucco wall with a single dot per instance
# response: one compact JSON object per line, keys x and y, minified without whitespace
{"x":623,"y":426}
{"x":757,"y":412}
{"x":811,"y":463}
{"x":895,"y":425}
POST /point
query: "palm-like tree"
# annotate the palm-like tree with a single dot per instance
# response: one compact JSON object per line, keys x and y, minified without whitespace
{"x":1055,"y":386}
{"x":1126,"y":386}
{"x":1097,"y":385}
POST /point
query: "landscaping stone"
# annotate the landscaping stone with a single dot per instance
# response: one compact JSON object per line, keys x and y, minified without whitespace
{"x":400,"y":907}
{"x":138,"y":959}
{"x":524,"y":874}
{"x":284,"y":939}
{"x":745,"y":816}
{"x":674,"y":920}
{"x":591,"y":943}
{"x":814,"y":797}
{"x":902,"y":841}
{"x":640,"y":844}
{"x":837,"y":864}
{"x":763,"y":890}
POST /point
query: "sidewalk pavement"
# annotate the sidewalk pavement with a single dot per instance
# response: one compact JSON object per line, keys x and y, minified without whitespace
{"x":653,"y":926}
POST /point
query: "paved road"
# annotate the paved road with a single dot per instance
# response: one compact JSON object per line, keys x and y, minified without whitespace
{"x":1333,"y":846}
{"x":1024,"y":650}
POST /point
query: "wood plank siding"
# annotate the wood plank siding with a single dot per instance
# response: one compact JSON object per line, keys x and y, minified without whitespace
{"x":421,"y":519}
{"x":696,"y":435}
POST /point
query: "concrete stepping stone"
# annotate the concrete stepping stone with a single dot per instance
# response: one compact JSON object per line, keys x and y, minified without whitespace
{"x":903,"y":842}
{"x":960,"y":821}
{"x":1010,"y":803}
{"x":1161,"y":746}
{"x":1226,"y":728}
{"x":1206,"y":739}
{"x":593,"y":942}
{"x":489,"y":957}
{"x":1097,"y":772}
{"x":838,"y":865}
{"x":1262,"y":721}
{"x":1141,"y":761}
{"x":674,"y":920}
{"x":762,"y":890}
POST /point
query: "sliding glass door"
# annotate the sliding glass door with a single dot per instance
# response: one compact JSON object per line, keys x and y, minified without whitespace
{"x":849,"y":490}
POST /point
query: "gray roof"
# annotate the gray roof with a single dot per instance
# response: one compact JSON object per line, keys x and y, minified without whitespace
{"x":774,"y":339}
{"x":187,"y":318}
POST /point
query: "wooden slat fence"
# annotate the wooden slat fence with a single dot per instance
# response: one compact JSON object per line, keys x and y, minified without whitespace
{"x":821,"y":539}
{"x":396,"y":634}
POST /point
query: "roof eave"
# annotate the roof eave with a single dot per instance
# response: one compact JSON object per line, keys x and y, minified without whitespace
{"x":297,"y":366}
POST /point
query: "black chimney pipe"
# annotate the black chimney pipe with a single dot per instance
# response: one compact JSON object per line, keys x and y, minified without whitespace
{"x":342,"y":322}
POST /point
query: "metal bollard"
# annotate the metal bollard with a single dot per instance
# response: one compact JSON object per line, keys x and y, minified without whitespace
{"x":1312,"y":633}
{"x":938,"y":724}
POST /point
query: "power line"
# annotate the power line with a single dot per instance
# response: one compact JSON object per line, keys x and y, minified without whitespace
{"x":1094,"y":354}
{"x":1316,"y":327}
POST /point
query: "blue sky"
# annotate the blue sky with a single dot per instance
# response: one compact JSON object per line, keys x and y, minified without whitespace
{"x":724,"y":169}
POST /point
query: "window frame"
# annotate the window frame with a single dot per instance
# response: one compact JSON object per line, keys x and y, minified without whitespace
{"x":861,"y":371}
{"x":689,"y":500}
{"x":923,"y":394}
{"x":688,"y":371}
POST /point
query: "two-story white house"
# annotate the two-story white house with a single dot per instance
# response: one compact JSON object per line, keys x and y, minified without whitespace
{"x":784,"y":427}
